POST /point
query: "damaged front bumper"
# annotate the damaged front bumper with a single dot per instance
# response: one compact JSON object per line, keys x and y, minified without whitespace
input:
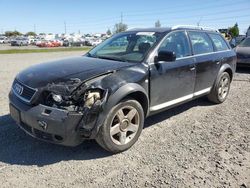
{"x":55,"y":125}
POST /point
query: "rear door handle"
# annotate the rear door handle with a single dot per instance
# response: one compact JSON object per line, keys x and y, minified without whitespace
{"x":192,"y":67}
{"x":219,"y":61}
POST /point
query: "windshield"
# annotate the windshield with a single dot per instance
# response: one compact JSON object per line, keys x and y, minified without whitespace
{"x":129,"y":47}
{"x":245,"y":43}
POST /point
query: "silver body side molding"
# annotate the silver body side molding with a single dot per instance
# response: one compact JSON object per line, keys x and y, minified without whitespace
{"x":179,"y":100}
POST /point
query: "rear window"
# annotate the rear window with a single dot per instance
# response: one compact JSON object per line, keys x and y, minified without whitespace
{"x":200,"y":42}
{"x":219,"y":42}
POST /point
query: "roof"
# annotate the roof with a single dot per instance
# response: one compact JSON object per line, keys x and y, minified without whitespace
{"x":178,"y":27}
{"x":153,"y":29}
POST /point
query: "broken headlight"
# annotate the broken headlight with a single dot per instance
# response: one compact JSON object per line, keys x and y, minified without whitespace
{"x":91,"y":97}
{"x":57,"y":98}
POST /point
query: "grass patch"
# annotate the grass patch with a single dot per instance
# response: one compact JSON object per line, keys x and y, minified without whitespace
{"x":40,"y":50}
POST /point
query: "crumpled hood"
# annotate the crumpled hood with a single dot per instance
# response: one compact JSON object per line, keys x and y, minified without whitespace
{"x":58,"y":71}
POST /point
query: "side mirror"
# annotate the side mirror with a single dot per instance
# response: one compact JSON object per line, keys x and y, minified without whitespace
{"x":165,"y":55}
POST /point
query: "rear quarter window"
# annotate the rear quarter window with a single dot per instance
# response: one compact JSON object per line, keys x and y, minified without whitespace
{"x":219,"y":43}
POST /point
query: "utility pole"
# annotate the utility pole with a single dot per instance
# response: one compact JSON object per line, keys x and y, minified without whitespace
{"x":65,"y":27}
{"x":34,"y":28}
{"x":198,"y":23}
{"x":121,"y":17}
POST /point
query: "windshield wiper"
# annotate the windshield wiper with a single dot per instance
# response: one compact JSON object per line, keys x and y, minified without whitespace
{"x":111,"y":58}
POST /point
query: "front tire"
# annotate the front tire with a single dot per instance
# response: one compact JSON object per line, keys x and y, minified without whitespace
{"x":220,"y":89}
{"x":122,"y":126}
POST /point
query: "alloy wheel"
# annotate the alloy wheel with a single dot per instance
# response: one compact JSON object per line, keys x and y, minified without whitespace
{"x":125,"y":125}
{"x":223,"y":87}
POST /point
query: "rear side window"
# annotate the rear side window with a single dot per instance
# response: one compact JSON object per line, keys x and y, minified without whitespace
{"x":200,"y":42}
{"x":219,"y":42}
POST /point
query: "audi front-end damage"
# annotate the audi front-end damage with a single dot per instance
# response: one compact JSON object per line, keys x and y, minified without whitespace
{"x":64,"y":112}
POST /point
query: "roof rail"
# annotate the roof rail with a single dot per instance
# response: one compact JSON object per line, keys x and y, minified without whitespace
{"x":193,"y":27}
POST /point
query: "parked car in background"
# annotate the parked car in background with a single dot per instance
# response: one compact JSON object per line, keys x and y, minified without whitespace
{"x":243,"y":52}
{"x":68,"y":43}
{"x":236,"y":41}
{"x":95,"y":42}
{"x":20,"y":41}
{"x":49,"y":44}
{"x":4,"y":40}
{"x":107,"y":93}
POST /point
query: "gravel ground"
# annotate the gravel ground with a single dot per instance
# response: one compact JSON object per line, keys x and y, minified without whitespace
{"x":194,"y":145}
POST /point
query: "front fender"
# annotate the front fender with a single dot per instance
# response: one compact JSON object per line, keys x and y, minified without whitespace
{"x":124,"y":91}
{"x":114,"y":99}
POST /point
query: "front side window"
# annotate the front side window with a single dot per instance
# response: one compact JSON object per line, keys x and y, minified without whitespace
{"x":129,"y":47}
{"x":200,"y":42}
{"x":219,"y":42}
{"x":177,"y":42}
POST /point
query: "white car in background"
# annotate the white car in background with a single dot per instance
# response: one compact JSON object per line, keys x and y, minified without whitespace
{"x":95,"y":42}
{"x":3,"y":40}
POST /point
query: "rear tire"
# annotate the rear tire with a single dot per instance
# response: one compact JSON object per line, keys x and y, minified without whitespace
{"x":122,"y":126}
{"x":220,"y":89}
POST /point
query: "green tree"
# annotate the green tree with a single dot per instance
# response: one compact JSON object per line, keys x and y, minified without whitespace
{"x":12,"y":33}
{"x":31,"y":33}
{"x":120,"y":27}
{"x":108,"y":32}
{"x":234,"y":31}
{"x":158,"y":23}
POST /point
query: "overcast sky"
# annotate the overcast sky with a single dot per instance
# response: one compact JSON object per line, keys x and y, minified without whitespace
{"x":94,"y":16}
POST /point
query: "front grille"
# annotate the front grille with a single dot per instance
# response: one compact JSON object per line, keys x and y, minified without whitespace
{"x":22,"y":91}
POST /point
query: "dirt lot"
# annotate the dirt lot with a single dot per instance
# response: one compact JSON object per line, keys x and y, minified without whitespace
{"x":9,"y":47}
{"x":194,"y":145}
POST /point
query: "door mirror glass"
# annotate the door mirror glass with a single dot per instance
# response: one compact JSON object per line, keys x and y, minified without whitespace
{"x":165,"y":55}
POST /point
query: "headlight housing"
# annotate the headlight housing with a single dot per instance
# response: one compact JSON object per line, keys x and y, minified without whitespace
{"x":91,"y":97}
{"x":57,"y":98}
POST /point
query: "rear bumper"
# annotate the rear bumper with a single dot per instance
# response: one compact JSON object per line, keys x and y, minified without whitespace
{"x":47,"y":123}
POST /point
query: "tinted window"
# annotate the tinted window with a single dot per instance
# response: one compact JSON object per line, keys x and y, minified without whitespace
{"x":219,"y":42}
{"x":177,"y":42}
{"x":200,"y":42}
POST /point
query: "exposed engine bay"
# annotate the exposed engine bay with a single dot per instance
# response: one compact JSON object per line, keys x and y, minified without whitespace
{"x":74,"y":94}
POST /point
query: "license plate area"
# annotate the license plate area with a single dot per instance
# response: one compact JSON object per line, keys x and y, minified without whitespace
{"x":15,"y":114}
